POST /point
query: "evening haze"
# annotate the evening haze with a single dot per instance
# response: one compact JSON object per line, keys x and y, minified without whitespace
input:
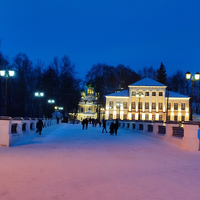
{"x":136,"y":33}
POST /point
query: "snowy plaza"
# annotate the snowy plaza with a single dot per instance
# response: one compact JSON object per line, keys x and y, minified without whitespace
{"x":69,"y":163}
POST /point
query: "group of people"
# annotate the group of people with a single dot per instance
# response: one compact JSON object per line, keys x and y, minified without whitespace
{"x":113,"y":127}
{"x":85,"y":123}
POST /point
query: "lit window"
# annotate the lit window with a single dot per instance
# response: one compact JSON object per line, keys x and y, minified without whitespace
{"x":133,"y":93}
{"x":110,"y":104}
{"x":146,"y":93}
{"x":153,"y":93}
{"x":160,"y":93}
{"x":132,"y":105}
{"x":153,"y":105}
{"x":182,"y":106}
{"x":125,"y":105}
{"x":175,"y":106}
{"x":146,"y":105}
{"x":160,"y":106}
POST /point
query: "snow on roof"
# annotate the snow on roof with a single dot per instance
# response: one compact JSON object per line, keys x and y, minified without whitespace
{"x":147,"y":82}
{"x":123,"y":93}
{"x":175,"y":95}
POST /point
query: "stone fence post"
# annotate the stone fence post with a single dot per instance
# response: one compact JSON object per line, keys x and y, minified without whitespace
{"x":190,"y":139}
{"x":169,"y":129}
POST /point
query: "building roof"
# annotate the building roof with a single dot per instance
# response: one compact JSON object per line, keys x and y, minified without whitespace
{"x":147,"y":82}
{"x":123,"y":93}
{"x":175,"y":95}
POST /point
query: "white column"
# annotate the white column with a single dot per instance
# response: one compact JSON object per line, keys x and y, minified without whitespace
{"x":156,"y":101}
{"x":129,"y":101}
{"x":143,"y":102}
{"x":164,"y":106}
{"x":136,"y":106}
{"x":150,"y":100}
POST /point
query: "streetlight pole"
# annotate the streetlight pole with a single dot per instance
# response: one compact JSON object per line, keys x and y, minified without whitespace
{"x":50,"y":101}
{"x":119,"y":104}
{"x":38,"y":94}
{"x":6,"y":74}
{"x":195,"y":78}
{"x":139,"y":94}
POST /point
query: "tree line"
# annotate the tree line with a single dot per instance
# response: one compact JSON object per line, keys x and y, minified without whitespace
{"x":59,"y":81}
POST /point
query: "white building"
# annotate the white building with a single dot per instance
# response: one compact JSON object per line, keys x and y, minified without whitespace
{"x":147,"y":100}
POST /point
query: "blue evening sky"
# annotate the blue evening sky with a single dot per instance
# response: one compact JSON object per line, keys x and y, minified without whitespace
{"x":136,"y":33}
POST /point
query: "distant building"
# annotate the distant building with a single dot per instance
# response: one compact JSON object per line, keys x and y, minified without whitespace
{"x":88,"y":104}
{"x":147,"y":100}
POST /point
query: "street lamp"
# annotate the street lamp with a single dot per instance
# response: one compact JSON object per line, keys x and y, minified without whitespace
{"x":193,"y":78}
{"x":118,"y":105}
{"x":6,"y":74}
{"x":38,"y":94}
{"x":139,"y":94}
{"x":58,"y":108}
{"x":50,"y":101}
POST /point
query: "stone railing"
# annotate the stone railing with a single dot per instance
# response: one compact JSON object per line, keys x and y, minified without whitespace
{"x":184,"y":136}
{"x":14,"y":129}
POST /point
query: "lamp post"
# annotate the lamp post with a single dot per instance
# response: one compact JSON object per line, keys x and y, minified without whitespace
{"x":38,"y":94}
{"x":193,"y":78}
{"x":118,"y":105}
{"x":6,"y":74}
{"x":139,"y":94}
{"x":50,"y":101}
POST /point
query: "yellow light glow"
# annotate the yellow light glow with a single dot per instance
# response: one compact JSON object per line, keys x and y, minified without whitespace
{"x":172,"y":109}
{"x":172,"y":113}
{"x":136,"y":116}
{"x":187,"y":110}
{"x":129,"y":116}
{"x":143,"y":116}
{"x":150,"y":116}
{"x":157,"y":116}
{"x":163,"y":108}
{"x":187,"y":114}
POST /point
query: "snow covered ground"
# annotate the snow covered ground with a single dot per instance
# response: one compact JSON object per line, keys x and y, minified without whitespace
{"x":69,"y":163}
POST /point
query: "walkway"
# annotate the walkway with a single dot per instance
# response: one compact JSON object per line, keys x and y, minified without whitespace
{"x":68,"y":163}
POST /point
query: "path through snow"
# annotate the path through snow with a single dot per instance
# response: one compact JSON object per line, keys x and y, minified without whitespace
{"x":68,"y":163}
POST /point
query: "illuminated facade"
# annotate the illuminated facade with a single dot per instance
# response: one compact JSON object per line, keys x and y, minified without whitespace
{"x":88,"y":104}
{"x":147,"y":100}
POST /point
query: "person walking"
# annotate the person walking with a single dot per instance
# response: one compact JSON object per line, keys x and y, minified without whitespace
{"x":116,"y":126}
{"x":83,"y":123}
{"x":39,"y":126}
{"x":112,"y":127}
{"x":104,"y":125}
{"x":86,"y":123}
